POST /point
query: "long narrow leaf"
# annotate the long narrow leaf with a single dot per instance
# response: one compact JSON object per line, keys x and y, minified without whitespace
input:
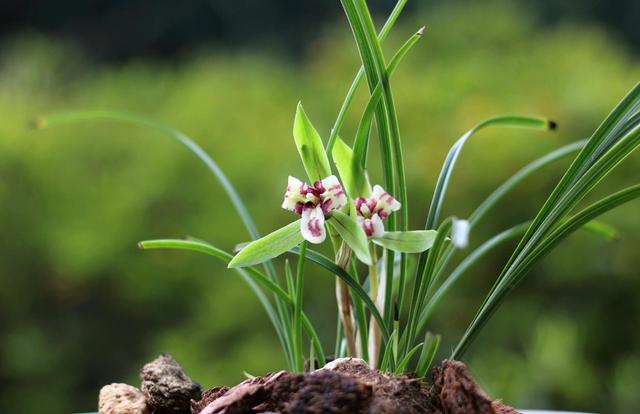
{"x":387,"y":358}
{"x":335,"y":131}
{"x":429,"y":350}
{"x":388,"y":128}
{"x":606,"y":132}
{"x":454,"y":152}
{"x":517,"y":178}
{"x":423,"y":282}
{"x":505,"y":188}
{"x":517,"y":273}
{"x":190,"y":144}
{"x":361,"y":141}
{"x":402,"y":364}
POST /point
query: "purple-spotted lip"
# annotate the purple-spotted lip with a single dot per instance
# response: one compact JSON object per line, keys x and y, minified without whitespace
{"x":325,"y":204}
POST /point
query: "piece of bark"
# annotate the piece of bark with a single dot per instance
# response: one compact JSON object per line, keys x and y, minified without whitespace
{"x":167,"y":388}
{"x":321,"y":392}
{"x":458,"y":393}
{"x":121,"y":399}
{"x":401,"y":394}
{"x":208,"y":397}
{"x":349,"y":386}
{"x":500,"y":408}
{"x":244,"y":397}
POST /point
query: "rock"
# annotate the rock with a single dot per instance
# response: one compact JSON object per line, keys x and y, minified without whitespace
{"x":167,"y":388}
{"x":121,"y":399}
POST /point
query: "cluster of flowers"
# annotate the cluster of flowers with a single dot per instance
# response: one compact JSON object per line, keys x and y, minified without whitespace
{"x":314,"y":203}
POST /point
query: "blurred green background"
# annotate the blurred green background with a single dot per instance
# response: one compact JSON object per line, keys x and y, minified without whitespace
{"x":80,"y":306}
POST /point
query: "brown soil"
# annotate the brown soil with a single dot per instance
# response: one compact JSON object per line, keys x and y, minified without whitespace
{"x":348,"y":386}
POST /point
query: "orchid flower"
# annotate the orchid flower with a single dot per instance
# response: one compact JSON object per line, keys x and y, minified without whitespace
{"x":313,"y":203}
{"x":373,"y":209}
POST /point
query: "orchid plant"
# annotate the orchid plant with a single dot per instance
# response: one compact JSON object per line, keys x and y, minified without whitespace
{"x":384,"y":303}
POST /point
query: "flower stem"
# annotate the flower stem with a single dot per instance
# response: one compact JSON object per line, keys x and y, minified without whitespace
{"x":374,"y":329}
{"x":297,"y":315}
{"x":343,"y":256}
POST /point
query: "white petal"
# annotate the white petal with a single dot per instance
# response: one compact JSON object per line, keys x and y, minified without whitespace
{"x":312,"y":225}
{"x":385,"y":204}
{"x":377,"y":191}
{"x":460,"y":233}
{"x":378,"y":227}
{"x":330,"y":181}
{"x":293,"y":196}
{"x":333,"y":196}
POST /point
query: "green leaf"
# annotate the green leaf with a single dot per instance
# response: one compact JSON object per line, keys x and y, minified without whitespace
{"x":351,"y":172}
{"x":188,"y":143}
{"x":514,"y":273}
{"x":429,"y":350}
{"x":389,"y":138}
{"x":352,"y":233}
{"x":388,"y":354}
{"x":310,"y":147}
{"x":521,"y":175}
{"x":407,"y":241}
{"x":270,"y":246}
{"x":454,"y":152}
{"x":503,"y":190}
{"x":424,"y":280}
{"x":361,"y":142}
{"x":337,"y":126}
{"x":405,"y":360}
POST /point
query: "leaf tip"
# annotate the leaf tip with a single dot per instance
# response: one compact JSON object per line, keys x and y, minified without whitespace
{"x":140,"y":245}
{"x":420,"y":31}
